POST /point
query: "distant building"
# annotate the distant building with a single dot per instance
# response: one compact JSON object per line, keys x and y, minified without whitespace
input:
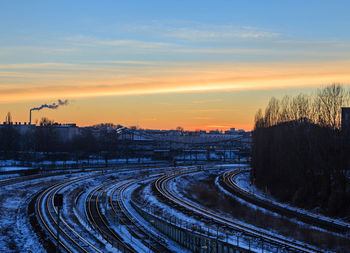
{"x":345,"y":118}
{"x":67,"y":132}
{"x":21,"y":128}
{"x":215,"y":132}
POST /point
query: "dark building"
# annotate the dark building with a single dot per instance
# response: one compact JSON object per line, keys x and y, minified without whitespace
{"x":345,"y":118}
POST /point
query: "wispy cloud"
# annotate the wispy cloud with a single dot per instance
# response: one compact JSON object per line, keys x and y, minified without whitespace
{"x":200,"y":32}
{"x":90,"y":41}
{"x":206,"y":101}
{"x":19,"y":85}
{"x":136,"y":43}
{"x":313,"y":43}
{"x":130,"y":62}
{"x":218,"y":33}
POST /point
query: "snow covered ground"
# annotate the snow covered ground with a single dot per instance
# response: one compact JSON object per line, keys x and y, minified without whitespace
{"x":14,"y":163}
{"x":142,"y":223}
{"x":13,"y":168}
{"x":243,"y":181}
{"x":180,"y":187}
{"x":192,"y":222}
{"x":17,"y":234}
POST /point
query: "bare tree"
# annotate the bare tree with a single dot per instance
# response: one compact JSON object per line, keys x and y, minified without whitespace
{"x":328,"y":104}
{"x":272,"y":112}
{"x":300,"y":106}
{"x":46,"y":122}
{"x":285,"y":110}
{"x":180,"y":129}
{"x":259,"y":119}
{"x":298,"y":152}
{"x":8,"y":118}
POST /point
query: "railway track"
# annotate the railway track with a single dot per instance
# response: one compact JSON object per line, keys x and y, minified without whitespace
{"x":228,"y":182}
{"x":161,"y":187}
{"x":70,"y":240}
{"x":19,"y":179}
{"x":100,"y":223}
{"x":151,"y":240}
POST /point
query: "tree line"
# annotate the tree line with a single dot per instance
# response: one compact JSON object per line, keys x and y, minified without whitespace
{"x":44,"y":143}
{"x":300,"y":153}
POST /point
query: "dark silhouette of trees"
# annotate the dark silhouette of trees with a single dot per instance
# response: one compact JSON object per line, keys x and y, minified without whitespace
{"x":44,"y":142}
{"x":9,"y":144}
{"x":107,"y":143}
{"x":84,"y":145}
{"x":46,"y":138}
{"x":299,"y":152}
{"x":10,"y":140}
{"x":328,"y":103}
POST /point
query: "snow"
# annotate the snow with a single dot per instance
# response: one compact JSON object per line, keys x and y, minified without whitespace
{"x":243,"y":181}
{"x":18,"y":235}
{"x":13,"y":168}
{"x":8,"y":176}
{"x":189,"y":222}
{"x":146,"y":224}
{"x":77,"y":204}
{"x":16,"y":231}
{"x":231,"y":165}
{"x":15,"y":163}
{"x":174,"y":187}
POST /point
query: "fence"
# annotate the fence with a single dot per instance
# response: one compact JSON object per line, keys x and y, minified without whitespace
{"x":194,"y":241}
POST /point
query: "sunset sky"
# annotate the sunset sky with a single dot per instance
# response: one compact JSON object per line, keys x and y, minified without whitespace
{"x":162,"y":64}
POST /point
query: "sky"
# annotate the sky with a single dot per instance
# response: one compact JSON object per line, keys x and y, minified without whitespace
{"x":162,"y":64}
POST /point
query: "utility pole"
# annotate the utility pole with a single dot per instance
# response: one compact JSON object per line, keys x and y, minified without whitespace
{"x":58,"y":202}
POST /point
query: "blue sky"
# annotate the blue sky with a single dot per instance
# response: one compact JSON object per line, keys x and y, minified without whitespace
{"x":324,"y":19}
{"x":95,"y":49}
{"x":278,"y":26}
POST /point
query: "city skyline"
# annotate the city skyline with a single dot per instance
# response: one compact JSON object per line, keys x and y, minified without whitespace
{"x":193,"y":64}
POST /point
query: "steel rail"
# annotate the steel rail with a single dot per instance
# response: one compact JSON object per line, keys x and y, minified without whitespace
{"x":122,"y":207}
{"x":111,"y":232}
{"x":329,"y":224}
{"x":43,"y":196}
{"x":65,"y":223}
{"x":161,"y":186}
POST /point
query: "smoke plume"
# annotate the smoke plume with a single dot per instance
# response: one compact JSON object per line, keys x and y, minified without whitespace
{"x":52,"y":106}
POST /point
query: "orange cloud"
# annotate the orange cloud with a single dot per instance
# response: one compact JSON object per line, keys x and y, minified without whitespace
{"x":27,"y":85}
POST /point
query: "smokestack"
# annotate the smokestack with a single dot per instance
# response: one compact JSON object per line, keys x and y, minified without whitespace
{"x":52,"y":106}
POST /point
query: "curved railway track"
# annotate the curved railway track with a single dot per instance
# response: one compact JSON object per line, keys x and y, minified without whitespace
{"x":161,"y":187}
{"x":229,"y":184}
{"x":19,"y":179}
{"x":151,"y":242}
{"x":70,"y":240}
{"x":100,"y":222}
{"x":149,"y":239}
